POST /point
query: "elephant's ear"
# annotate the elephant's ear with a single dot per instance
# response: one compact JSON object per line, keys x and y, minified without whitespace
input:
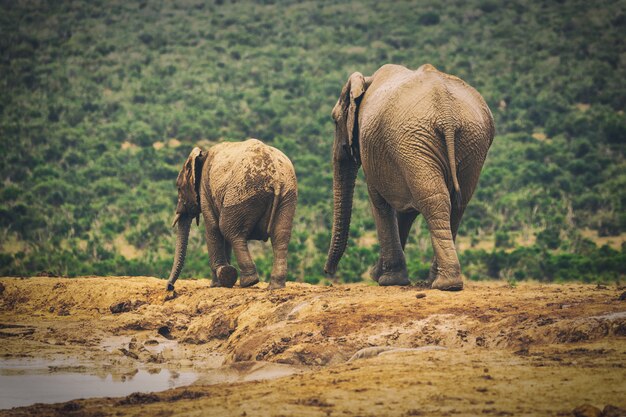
{"x":188,"y":183}
{"x":350,"y":99}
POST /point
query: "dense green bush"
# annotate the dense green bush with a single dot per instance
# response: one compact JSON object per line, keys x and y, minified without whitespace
{"x":102,"y":101}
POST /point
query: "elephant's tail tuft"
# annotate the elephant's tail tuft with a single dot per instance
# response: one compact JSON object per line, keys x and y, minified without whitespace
{"x":449,"y":133}
{"x":275,"y":204}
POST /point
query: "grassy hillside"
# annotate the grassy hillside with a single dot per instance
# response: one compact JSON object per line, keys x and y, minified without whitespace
{"x":102,"y":101}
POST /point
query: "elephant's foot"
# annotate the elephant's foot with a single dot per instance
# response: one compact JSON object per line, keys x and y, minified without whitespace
{"x":376,"y":270}
{"x":248,"y":280}
{"x":394,"y":278}
{"x":170,"y":295}
{"x":226,"y":275}
{"x":446,"y":279}
{"x":448,"y":283}
{"x":276,"y":283}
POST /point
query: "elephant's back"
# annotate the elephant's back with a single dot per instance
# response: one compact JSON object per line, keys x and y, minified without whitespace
{"x":402,"y":120}
{"x":421,"y":104}
{"x":240,"y":171}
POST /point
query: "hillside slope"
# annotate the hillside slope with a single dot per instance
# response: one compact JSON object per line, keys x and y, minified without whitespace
{"x":102,"y":101}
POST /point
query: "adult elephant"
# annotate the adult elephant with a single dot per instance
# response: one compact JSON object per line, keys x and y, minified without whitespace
{"x":422,"y":137}
{"x":245,"y":191}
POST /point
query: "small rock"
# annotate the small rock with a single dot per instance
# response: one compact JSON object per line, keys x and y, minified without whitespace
{"x":186,"y":363}
{"x":120,"y":307}
{"x":151,"y":342}
{"x":420,"y":295}
{"x":129,"y":353}
{"x":622,"y":297}
{"x":587,"y":410}
{"x":165,"y":332}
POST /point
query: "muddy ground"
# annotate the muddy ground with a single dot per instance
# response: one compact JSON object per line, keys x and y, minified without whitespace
{"x":354,"y":350}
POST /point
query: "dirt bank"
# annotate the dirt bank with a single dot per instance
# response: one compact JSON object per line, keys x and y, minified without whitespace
{"x":532,"y":349}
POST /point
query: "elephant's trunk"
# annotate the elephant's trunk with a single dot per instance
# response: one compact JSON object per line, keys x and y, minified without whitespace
{"x":344,"y":177}
{"x":184,"y":224}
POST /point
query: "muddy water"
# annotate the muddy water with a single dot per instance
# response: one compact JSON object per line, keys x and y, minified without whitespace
{"x":28,"y":382}
{"x":25,"y":383}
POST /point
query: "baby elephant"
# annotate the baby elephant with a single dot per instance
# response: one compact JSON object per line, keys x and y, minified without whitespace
{"x":245,"y":191}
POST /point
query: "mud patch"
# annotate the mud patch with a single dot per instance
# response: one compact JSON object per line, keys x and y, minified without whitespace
{"x":487,"y":349}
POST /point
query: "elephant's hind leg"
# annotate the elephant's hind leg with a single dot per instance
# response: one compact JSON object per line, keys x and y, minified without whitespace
{"x":249,"y":275}
{"x":280,"y":236}
{"x":393,"y":264}
{"x":468,"y":178}
{"x":455,"y":221}
{"x":436,"y":209}
{"x":237,"y":223}
{"x":224,"y":275}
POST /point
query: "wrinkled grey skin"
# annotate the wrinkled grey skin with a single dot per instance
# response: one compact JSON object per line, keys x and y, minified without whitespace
{"x":422,"y":137}
{"x":244,"y":191}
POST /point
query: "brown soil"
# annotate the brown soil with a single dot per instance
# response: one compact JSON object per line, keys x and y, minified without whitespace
{"x":490,"y":349}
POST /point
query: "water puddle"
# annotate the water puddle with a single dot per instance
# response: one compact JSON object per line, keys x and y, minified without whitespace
{"x":27,"y":382}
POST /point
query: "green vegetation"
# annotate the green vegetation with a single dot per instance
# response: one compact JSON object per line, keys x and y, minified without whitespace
{"x":102,"y":101}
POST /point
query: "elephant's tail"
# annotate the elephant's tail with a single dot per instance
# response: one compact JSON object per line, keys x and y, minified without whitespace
{"x":449,"y":136}
{"x":275,"y":204}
